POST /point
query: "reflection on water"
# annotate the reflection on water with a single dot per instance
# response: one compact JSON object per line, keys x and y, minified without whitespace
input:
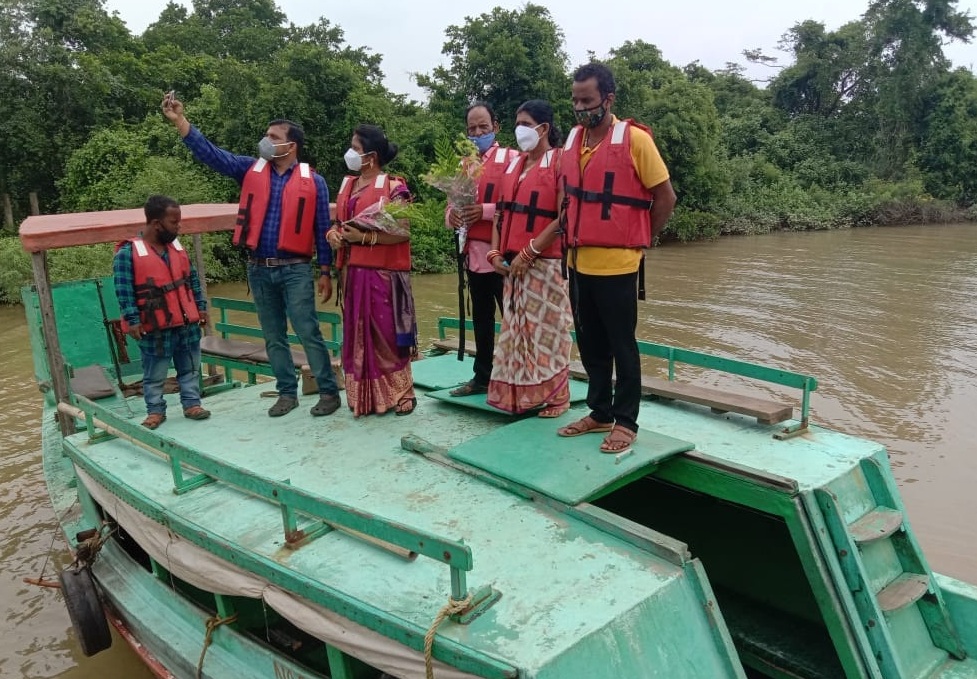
{"x":884,"y":318}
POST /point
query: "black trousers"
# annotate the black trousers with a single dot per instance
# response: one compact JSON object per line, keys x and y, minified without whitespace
{"x":605,"y":314}
{"x":485,"y":290}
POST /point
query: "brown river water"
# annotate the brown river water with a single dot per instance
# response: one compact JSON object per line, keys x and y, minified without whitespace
{"x":886,"y":319}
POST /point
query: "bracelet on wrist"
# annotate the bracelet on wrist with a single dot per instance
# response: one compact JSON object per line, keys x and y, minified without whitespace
{"x":491,"y":255}
{"x":532,"y":246}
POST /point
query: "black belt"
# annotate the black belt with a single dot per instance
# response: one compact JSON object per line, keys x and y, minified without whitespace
{"x":274,"y":261}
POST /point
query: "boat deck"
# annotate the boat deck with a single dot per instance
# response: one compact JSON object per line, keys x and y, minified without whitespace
{"x":522,"y":548}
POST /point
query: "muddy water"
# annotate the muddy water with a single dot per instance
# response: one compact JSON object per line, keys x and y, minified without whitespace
{"x":886,"y":319}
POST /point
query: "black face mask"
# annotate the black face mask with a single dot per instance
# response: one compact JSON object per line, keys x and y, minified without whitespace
{"x":165,"y":237}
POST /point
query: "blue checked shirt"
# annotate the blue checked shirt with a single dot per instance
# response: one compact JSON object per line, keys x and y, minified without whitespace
{"x":161,"y":342}
{"x":236,"y":167}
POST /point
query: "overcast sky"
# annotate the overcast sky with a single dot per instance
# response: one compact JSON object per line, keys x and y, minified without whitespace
{"x":410,"y":35}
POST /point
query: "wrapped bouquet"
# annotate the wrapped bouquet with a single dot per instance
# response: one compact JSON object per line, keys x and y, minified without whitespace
{"x":456,"y":169}
{"x":385,"y":216}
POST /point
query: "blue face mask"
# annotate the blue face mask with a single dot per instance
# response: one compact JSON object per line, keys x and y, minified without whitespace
{"x":484,"y":142}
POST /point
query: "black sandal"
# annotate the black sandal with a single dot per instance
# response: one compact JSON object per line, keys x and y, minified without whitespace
{"x":405,"y":406}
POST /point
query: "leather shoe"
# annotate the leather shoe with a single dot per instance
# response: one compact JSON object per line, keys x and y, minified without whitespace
{"x":327,"y":405}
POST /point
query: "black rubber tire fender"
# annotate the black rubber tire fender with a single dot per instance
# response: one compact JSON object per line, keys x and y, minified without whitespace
{"x":85,"y":610}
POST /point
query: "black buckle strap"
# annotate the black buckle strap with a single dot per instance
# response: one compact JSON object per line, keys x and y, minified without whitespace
{"x":532,"y":210}
{"x":607,"y":197}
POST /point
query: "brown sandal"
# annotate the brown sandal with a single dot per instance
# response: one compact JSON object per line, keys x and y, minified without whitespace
{"x":619,"y":440}
{"x":585,"y":425}
{"x":553,"y":410}
{"x":153,"y":420}
{"x":469,"y":388}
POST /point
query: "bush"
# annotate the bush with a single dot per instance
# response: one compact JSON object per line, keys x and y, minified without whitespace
{"x":432,"y":246}
{"x":688,"y":225}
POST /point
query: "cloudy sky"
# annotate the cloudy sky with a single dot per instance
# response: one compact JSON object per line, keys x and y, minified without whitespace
{"x":409,"y":35}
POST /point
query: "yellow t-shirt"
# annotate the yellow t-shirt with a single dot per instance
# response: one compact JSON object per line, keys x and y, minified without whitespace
{"x":651,"y":171}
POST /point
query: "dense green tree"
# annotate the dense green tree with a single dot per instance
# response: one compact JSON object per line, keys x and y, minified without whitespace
{"x":828,"y":68}
{"x":948,"y":152}
{"x":682,"y":114}
{"x":905,"y":54}
{"x":503,"y":57}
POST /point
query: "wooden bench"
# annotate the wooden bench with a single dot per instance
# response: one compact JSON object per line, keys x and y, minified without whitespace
{"x":766,"y":411}
{"x":249,"y":356}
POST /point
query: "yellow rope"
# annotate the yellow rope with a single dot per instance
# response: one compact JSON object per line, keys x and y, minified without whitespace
{"x":451,"y":608}
{"x":212,"y":624}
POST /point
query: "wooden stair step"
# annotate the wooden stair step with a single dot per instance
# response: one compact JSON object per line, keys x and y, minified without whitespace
{"x":907,"y":589}
{"x":879,"y":523}
{"x":764,"y":410}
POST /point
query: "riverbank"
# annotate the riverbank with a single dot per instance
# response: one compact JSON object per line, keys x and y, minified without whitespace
{"x":432,"y":246}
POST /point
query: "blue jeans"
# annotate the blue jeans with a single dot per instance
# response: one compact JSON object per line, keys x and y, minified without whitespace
{"x":186,"y":360}
{"x":288,"y":291}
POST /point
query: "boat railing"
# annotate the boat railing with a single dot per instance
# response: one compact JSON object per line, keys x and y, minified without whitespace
{"x":327,"y":514}
{"x":676,"y":355}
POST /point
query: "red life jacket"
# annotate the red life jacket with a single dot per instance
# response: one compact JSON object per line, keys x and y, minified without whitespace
{"x":296,"y":231}
{"x":163,"y":292}
{"x":529,"y":205}
{"x":394,"y":256}
{"x":494,"y":163}
{"x":608,"y":206}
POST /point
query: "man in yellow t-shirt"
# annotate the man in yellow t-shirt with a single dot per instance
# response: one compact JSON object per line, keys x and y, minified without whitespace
{"x":604,"y":280}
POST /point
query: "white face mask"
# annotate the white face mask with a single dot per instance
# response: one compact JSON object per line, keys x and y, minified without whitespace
{"x":354,"y":161}
{"x":527,"y":137}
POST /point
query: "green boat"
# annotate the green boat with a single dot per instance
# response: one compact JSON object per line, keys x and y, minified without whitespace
{"x":732,"y":540}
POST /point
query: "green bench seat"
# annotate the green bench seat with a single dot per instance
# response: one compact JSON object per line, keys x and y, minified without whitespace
{"x":248,"y":355}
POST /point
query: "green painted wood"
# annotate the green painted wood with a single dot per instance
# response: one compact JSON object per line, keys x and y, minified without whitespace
{"x":575,"y":602}
{"x":729,"y":365}
{"x":578,"y":393}
{"x":315,"y":590}
{"x":173,"y":629}
{"x":571,"y":470}
{"x":807,"y":531}
{"x":725,"y":484}
{"x":452,"y":553}
{"x":932,"y":607}
{"x":441,"y":372}
{"x":859,"y":585}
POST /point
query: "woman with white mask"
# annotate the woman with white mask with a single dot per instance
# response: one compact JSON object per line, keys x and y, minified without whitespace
{"x":379,"y":322}
{"x":531,"y":364}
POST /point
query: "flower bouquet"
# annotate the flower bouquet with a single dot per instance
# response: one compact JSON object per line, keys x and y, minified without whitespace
{"x":385,"y":216}
{"x":456,"y":169}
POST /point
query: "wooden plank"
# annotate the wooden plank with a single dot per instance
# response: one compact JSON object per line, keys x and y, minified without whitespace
{"x":879,"y":523}
{"x":766,"y":412}
{"x":450,"y":344}
{"x":44,"y":232}
{"x":907,"y":589}
{"x":49,"y":328}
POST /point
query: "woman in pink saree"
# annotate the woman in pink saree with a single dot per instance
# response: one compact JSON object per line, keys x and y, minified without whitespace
{"x":379,"y":322}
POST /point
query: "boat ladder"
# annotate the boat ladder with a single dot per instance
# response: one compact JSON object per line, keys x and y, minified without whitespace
{"x":897,"y":599}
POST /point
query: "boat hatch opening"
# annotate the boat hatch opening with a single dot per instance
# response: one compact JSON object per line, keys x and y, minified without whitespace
{"x":755,"y":570}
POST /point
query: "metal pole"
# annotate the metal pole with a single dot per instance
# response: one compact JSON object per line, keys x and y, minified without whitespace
{"x":59,"y":378}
